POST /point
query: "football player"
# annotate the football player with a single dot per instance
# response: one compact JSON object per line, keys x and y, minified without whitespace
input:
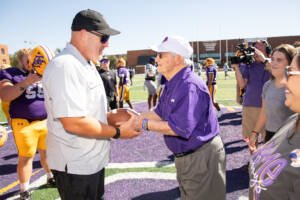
{"x":22,"y":87}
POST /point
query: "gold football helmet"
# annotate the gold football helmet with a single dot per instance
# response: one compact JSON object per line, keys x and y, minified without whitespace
{"x":39,"y":58}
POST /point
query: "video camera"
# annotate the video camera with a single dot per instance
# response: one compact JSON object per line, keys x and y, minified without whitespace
{"x":244,"y":54}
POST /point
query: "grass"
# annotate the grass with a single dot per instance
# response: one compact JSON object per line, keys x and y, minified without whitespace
{"x":225,"y":94}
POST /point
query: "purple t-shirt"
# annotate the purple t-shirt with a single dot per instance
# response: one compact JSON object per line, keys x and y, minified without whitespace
{"x":123,"y":75}
{"x":187,"y":107}
{"x":211,"y":70}
{"x":30,"y":105}
{"x":256,"y":76}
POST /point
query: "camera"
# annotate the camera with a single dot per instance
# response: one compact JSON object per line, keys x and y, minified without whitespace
{"x":244,"y":54}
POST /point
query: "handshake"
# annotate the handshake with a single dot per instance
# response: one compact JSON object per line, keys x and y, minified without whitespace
{"x":127,"y":120}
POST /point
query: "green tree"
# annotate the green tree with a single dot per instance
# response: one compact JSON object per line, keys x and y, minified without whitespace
{"x":14,"y":60}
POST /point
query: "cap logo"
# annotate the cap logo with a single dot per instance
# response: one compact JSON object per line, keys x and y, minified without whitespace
{"x":166,"y":38}
{"x":38,"y":60}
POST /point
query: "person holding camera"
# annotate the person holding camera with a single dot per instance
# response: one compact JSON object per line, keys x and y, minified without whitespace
{"x":251,"y":73}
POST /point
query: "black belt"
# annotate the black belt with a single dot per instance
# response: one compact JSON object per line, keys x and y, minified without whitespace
{"x":177,"y":155}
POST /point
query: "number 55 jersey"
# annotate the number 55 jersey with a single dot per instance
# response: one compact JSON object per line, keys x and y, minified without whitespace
{"x":30,"y":104}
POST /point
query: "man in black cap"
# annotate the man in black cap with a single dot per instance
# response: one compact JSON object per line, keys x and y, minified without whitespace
{"x":78,"y":138}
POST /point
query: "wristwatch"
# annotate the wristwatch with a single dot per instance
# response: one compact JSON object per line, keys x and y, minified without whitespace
{"x":118,"y":134}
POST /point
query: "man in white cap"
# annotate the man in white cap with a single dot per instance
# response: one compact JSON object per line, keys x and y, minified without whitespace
{"x":185,"y":115}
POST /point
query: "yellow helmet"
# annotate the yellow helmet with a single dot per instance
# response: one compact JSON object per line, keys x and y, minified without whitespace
{"x":3,"y":135}
{"x":209,"y":62}
{"x":39,"y":58}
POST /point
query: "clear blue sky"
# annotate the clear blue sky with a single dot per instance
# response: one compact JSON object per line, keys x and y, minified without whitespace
{"x":145,"y":22}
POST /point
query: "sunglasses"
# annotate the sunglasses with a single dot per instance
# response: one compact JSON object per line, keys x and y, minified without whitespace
{"x":289,"y":73}
{"x":103,"y":38}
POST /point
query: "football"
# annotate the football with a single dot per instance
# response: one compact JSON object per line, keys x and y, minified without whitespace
{"x":3,"y":135}
{"x":118,"y":116}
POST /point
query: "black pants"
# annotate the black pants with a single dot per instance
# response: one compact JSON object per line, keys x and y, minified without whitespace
{"x":80,"y":187}
{"x":269,"y":135}
{"x":112,"y":103}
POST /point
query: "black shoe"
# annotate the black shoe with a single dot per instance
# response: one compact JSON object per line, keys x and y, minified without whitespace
{"x":51,"y":182}
{"x":25,"y":195}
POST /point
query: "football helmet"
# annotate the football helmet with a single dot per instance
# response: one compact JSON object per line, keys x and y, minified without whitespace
{"x":39,"y":58}
{"x":3,"y":135}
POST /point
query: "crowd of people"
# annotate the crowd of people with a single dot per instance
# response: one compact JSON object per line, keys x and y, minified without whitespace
{"x":62,"y":113}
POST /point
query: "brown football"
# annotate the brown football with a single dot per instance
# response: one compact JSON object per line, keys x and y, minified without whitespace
{"x":118,"y":116}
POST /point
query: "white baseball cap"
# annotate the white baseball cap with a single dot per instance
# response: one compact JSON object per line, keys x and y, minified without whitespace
{"x":174,"y":44}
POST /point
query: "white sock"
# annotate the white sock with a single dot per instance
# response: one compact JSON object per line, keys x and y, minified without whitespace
{"x":24,"y":186}
{"x":49,"y":175}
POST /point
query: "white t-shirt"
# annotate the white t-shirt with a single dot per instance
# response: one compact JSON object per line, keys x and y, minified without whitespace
{"x":73,"y":88}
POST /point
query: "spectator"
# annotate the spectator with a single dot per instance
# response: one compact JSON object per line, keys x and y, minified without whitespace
{"x":251,"y":78}
{"x":274,"y":172}
{"x":273,"y":112}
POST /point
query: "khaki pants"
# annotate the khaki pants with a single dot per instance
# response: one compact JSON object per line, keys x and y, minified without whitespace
{"x":249,"y":118}
{"x":201,"y":175}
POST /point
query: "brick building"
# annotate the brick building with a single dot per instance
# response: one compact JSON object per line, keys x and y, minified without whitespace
{"x":4,"y":56}
{"x":220,"y":50}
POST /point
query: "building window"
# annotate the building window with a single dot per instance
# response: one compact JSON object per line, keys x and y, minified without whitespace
{"x":3,"y":51}
{"x":4,"y":61}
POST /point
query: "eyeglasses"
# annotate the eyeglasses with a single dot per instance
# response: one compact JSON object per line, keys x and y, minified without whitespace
{"x":289,"y":73}
{"x":103,"y":38}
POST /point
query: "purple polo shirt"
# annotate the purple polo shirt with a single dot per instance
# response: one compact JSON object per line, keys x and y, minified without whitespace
{"x":211,"y":70}
{"x":187,"y":107}
{"x":256,"y":76}
{"x":123,"y":75}
{"x":30,"y":104}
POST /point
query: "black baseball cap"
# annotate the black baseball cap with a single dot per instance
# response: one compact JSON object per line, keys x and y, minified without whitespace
{"x":92,"y":20}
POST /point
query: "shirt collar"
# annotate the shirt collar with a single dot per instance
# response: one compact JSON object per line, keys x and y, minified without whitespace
{"x":74,"y":51}
{"x":178,"y":77}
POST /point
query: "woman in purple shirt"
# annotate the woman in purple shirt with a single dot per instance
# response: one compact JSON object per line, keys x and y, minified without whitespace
{"x":185,"y":115}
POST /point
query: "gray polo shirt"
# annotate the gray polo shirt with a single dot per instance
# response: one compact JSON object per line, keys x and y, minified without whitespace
{"x":73,"y":88}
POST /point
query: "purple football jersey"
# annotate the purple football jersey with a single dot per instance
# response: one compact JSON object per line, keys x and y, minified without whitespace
{"x":30,"y":104}
{"x":123,"y":75}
